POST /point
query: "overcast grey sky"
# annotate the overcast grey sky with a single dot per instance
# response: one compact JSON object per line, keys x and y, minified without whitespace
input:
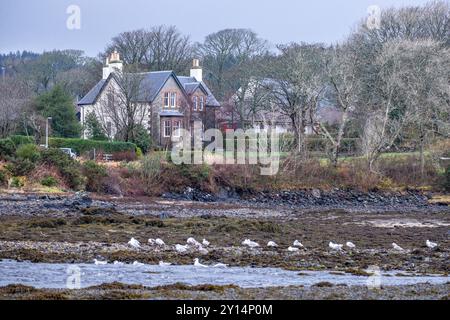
{"x":40,"y":25}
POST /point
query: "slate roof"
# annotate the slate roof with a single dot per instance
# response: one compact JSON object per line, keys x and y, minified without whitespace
{"x":151,"y":84}
{"x":91,"y":96}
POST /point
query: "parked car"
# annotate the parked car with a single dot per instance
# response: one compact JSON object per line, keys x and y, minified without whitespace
{"x":69,"y":152}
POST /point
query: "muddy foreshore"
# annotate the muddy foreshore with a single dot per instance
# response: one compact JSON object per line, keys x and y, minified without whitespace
{"x":321,"y":291}
{"x":79,"y":228}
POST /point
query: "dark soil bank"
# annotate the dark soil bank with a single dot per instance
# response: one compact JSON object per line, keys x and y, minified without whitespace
{"x":204,"y":292}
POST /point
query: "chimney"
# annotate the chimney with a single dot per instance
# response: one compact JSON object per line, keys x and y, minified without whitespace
{"x":196,"y":70}
{"x":113,"y":64}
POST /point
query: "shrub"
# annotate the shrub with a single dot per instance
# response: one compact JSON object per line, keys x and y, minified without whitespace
{"x":124,"y":156}
{"x":7,"y":148}
{"x":142,"y":139}
{"x":81,"y":146}
{"x":29,"y":152}
{"x":95,"y":173}
{"x":150,"y":171}
{"x":18,"y":182}
{"x":49,"y":181}
{"x":20,"y":167}
{"x":3,"y":178}
{"x":69,"y":169}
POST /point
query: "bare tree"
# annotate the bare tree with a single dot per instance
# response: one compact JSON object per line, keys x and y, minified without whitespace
{"x":15,"y":94}
{"x":411,"y":84}
{"x":229,"y":50}
{"x":298,"y":77}
{"x":342,"y":75}
{"x":123,"y":105}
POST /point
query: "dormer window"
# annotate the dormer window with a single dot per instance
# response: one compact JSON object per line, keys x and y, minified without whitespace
{"x":195,"y":101}
{"x":202,"y":103}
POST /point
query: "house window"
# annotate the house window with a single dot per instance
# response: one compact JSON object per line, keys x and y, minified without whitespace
{"x":176,"y":126}
{"x":166,"y":99}
{"x":202,"y":103}
{"x":167,"y":128}
{"x":173,"y":99}
{"x":195,"y":101}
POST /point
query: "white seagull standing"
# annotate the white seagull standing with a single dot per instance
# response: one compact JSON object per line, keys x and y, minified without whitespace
{"x":297,"y":244}
{"x":193,"y":242}
{"x":138,"y":264}
{"x":164,"y":264}
{"x":250,"y":243}
{"x":151,"y":242}
{"x":272,"y":244}
{"x":100,"y":263}
{"x":205,"y":242}
{"x":335,"y":246}
{"x":180,"y":248}
{"x":118,"y":263}
{"x":202,"y":250}
{"x":134,"y":243}
{"x":198,"y":264}
{"x":220,"y":265}
{"x":430,"y":244}
{"x":351,"y":245}
{"x":159,"y":242}
{"x":397,"y":247}
{"x":293,"y":249}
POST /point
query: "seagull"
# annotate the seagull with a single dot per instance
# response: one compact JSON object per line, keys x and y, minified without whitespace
{"x":151,"y":241}
{"x":335,"y":246}
{"x":137,"y":263}
{"x":350,"y":245}
{"x":397,"y":247}
{"x":205,"y":242}
{"x":164,"y":264}
{"x":250,"y":243}
{"x":193,"y":242}
{"x":430,"y":244}
{"x":293,"y":249}
{"x":272,"y":244}
{"x":118,"y":263}
{"x":134,"y":243}
{"x":220,"y":265}
{"x":180,"y":248}
{"x":198,"y":264}
{"x":202,"y":250}
{"x":100,"y":263}
{"x":159,"y":242}
{"x":297,"y":244}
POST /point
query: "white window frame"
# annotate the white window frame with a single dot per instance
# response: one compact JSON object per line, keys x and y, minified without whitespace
{"x":167,"y":127}
{"x":176,"y":125}
{"x":166,"y":100}
{"x":195,"y":102}
{"x":173,"y":99}
{"x":202,"y":103}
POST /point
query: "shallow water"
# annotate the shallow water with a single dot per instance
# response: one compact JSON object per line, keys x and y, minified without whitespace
{"x":55,"y":275}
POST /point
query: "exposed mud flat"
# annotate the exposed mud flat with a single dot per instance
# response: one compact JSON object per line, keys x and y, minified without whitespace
{"x":321,"y":291}
{"x":79,"y":228}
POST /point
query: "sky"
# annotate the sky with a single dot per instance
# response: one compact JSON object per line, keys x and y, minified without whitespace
{"x":41,"y":25}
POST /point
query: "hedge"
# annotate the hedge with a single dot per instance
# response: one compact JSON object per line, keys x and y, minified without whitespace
{"x":81,"y":146}
{"x":19,"y":140}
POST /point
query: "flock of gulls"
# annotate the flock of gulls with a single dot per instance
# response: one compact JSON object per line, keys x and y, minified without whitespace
{"x":200,"y":247}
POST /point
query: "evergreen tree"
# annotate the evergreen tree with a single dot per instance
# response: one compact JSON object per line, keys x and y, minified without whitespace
{"x":59,"y":105}
{"x":94,"y":129}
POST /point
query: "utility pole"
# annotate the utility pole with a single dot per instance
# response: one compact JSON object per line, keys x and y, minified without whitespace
{"x":46,"y":132}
